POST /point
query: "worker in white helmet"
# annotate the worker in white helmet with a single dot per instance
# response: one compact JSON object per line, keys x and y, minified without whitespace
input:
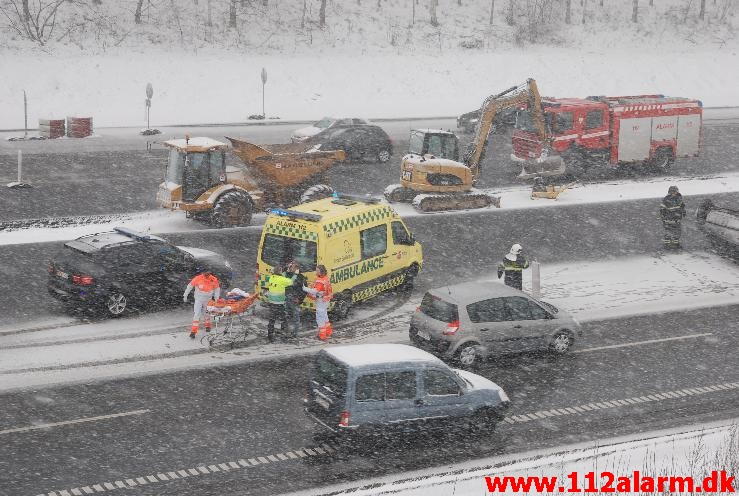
{"x":512,"y":266}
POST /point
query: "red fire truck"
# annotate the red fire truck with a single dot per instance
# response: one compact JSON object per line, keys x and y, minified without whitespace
{"x":582,"y":132}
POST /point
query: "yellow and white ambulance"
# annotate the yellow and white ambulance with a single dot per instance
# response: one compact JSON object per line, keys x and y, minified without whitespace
{"x":364,"y":244}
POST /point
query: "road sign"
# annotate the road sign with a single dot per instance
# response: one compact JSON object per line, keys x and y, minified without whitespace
{"x":149,"y":91}
{"x":264,"y":75}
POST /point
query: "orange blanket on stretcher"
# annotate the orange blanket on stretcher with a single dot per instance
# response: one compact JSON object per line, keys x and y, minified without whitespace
{"x":229,"y":306}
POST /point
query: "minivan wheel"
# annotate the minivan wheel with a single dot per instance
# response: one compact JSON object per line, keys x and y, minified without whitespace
{"x":468,"y":357}
{"x":561,"y":343}
{"x":115,"y":303}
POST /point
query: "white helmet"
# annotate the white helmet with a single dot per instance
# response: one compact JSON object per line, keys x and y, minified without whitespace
{"x":516,"y":249}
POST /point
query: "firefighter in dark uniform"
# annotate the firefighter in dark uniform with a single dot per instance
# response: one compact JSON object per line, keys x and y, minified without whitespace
{"x":513,"y":265}
{"x":672,"y":211}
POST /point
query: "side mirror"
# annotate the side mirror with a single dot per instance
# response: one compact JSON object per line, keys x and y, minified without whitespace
{"x":411,"y":240}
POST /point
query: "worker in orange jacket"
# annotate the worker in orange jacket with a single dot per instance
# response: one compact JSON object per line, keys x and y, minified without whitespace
{"x":321,"y":292}
{"x":207,"y":287}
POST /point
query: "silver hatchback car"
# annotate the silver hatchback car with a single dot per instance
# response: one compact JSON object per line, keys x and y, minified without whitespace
{"x":468,"y":322}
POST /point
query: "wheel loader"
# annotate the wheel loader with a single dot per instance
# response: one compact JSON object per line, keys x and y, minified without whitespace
{"x":198,"y":181}
{"x":433,"y":178}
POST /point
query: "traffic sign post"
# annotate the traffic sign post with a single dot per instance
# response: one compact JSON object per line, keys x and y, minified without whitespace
{"x":264,"y":82}
{"x":149,"y":94}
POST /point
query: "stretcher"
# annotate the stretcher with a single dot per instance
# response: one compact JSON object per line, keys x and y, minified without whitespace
{"x":229,"y":317}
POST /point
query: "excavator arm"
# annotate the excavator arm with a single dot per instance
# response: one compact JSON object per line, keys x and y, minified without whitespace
{"x":524,"y":94}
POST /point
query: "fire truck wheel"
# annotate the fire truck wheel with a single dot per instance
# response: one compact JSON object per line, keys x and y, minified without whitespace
{"x":317,"y":192}
{"x":232,"y":209}
{"x":662,"y":160}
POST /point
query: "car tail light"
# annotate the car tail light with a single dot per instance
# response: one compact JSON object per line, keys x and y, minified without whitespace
{"x":344,"y":419}
{"x":451,"y":328}
{"x":82,"y":280}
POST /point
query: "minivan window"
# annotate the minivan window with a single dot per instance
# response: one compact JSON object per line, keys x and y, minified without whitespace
{"x":370,"y":387}
{"x":487,"y":311}
{"x":373,"y":241}
{"x":438,"y":309}
{"x":439,"y":383}
{"x":278,"y":250}
{"x":330,"y":374}
{"x":518,"y":308}
{"x":400,"y":385}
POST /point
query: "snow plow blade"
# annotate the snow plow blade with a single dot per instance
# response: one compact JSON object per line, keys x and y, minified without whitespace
{"x":442,"y":203}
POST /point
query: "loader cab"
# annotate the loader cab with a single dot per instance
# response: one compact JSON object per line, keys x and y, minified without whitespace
{"x":440,"y":144}
{"x":195,"y":165}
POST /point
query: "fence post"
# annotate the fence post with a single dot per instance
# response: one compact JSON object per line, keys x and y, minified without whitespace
{"x":536,"y":279}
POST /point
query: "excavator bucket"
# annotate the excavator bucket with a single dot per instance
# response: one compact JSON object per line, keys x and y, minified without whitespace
{"x":551,"y":166}
{"x":285,"y":164}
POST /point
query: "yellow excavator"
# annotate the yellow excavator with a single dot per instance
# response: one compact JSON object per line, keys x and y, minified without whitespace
{"x":431,"y":175}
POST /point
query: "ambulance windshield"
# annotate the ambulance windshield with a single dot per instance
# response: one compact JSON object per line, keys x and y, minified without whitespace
{"x":281,"y":250}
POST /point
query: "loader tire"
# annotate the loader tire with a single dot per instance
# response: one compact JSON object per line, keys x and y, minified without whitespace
{"x":232,"y":209}
{"x":316,"y":192}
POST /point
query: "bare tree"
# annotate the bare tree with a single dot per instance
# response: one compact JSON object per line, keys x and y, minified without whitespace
{"x":568,"y":11}
{"x":509,"y":15}
{"x":302,"y":19}
{"x":702,"y":13}
{"x":232,"y":14}
{"x":492,"y":11}
{"x":651,"y":3}
{"x":432,"y":8}
{"x":35,"y":22}
{"x":137,"y":15}
{"x":322,"y":14}
{"x":635,"y":11}
{"x":584,"y":9}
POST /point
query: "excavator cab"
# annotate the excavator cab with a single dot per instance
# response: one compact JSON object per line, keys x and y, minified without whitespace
{"x":440,"y":144}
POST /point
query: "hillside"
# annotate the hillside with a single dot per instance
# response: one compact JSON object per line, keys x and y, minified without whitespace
{"x":361,"y":26}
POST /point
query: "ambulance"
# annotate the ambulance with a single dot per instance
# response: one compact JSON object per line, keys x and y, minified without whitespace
{"x":363,"y":243}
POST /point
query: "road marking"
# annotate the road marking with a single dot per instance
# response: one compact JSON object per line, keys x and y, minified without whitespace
{"x":76,"y":421}
{"x":198,"y":470}
{"x":639,"y":343}
{"x":654,"y":397}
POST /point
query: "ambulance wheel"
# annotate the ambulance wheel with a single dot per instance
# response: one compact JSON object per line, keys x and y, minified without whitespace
{"x":232,"y":209}
{"x":662,"y":160}
{"x":316,"y":192}
{"x":410,"y":278}
{"x":342,"y":305}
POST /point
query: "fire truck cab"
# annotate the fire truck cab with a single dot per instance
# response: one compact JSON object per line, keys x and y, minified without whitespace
{"x":650,"y":129}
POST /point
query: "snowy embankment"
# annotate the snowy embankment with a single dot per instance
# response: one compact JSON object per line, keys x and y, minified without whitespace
{"x":158,"y":342}
{"x":515,"y":197}
{"x":688,"y":451}
{"x":110,"y":87}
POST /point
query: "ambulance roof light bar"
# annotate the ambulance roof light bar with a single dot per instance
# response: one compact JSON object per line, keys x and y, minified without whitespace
{"x":356,"y":198}
{"x":294,"y":214}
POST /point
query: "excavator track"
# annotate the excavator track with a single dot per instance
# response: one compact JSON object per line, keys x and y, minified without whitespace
{"x":460,"y":201}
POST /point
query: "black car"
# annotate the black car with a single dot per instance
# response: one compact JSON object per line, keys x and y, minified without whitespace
{"x":360,"y":142}
{"x":115,"y":270}
{"x":506,"y":118}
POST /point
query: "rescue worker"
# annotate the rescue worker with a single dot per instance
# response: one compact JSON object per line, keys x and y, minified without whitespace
{"x":294,"y":296}
{"x":207,"y":287}
{"x":513,"y":265}
{"x":276,"y":285}
{"x":672,"y":211}
{"x":321,"y":292}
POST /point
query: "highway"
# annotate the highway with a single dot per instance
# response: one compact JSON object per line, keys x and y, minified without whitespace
{"x":208,"y":420}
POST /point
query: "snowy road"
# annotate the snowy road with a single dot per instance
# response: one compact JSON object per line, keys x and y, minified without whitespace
{"x":86,"y":182}
{"x":583,"y":232}
{"x":210,"y":418}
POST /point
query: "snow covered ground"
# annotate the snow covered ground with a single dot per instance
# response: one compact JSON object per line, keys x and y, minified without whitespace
{"x":110,"y":87}
{"x":516,"y":197}
{"x":687,"y":451}
{"x":158,"y":342}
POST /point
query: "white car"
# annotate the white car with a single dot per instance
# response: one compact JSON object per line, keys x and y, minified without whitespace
{"x":304,"y":133}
